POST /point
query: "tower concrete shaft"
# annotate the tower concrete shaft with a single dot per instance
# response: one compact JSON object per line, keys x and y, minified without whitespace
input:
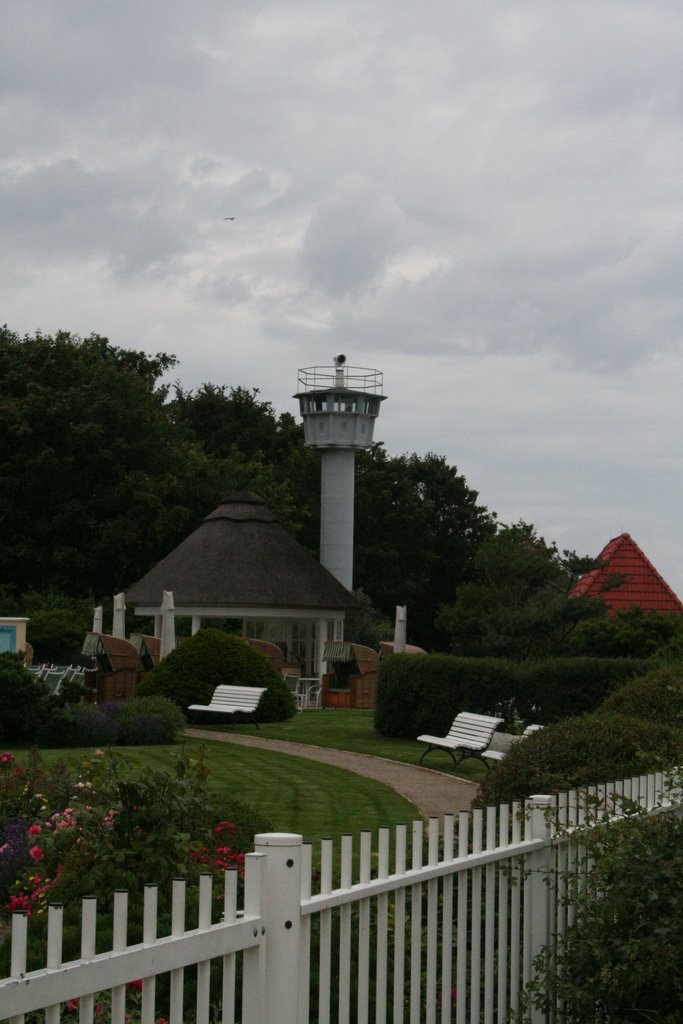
{"x":339,"y":406}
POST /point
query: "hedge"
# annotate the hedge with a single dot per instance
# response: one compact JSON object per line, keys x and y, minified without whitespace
{"x":423,"y":693}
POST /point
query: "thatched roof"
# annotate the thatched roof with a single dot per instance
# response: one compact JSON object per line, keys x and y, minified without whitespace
{"x":241,"y":556}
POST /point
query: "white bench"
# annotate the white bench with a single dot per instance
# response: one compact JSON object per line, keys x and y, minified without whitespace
{"x":230,"y":700}
{"x":469,"y":736}
{"x":497,"y":754}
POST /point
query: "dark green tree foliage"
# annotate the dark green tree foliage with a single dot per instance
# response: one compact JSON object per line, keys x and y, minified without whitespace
{"x":581,"y":752}
{"x":518,"y":605}
{"x":257,"y":449}
{"x":629,"y":633}
{"x":365,"y":625}
{"x":211,"y":658}
{"x":22,"y":699}
{"x":92,"y":485}
{"x":418,"y":526}
{"x":57,"y":625}
{"x":621,"y":959}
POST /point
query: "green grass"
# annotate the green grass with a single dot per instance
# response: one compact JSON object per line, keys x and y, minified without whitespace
{"x":293,"y":794}
{"x":352,"y":730}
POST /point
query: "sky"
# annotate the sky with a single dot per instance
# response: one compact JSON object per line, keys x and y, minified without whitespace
{"x":484,"y":201}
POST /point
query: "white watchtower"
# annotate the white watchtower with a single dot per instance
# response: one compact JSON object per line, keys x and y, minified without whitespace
{"x":339,"y":406}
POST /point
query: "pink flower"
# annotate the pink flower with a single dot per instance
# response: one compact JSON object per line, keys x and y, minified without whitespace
{"x":34,"y":830}
{"x":36,"y":853}
{"x":98,"y":1008}
{"x":99,"y":753}
{"x":71,"y":1005}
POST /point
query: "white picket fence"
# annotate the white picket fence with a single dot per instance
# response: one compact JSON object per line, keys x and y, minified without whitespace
{"x":450,"y":936}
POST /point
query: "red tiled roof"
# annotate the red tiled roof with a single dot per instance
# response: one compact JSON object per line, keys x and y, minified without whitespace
{"x":642,"y":586}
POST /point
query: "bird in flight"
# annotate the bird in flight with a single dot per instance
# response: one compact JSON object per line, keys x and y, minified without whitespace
{"x":229,"y":218}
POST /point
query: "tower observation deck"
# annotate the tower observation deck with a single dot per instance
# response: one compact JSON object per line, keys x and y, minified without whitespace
{"x":339,"y":406}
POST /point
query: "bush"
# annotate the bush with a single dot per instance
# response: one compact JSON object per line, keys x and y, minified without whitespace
{"x":149,"y":720}
{"x":580,"y":752}
{"x":425,"y":693}
{"x":120,"y":828}
{"x":657,"y":696}
{"x":211,"y":658}
{"x":141,"y":721}
{"x":621,"y":959}
{"x":22,"y":699}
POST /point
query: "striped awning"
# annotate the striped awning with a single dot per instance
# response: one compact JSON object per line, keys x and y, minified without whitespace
{"x":338,"y":650}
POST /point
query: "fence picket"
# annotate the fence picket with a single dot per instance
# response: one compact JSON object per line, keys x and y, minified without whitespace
{"x":462,"y":916}
{"x":399,"y":926}
{"x":447,"y":923}
{"x":362,"y":1016}
{"x":475,"y":921}
{"x":149,"y":934}
{"x":325,"y":962}
{"x":204,"y":968}
{"x":382,"y":954}
{"x":344,"y":971}
{"x":86,"y":1006}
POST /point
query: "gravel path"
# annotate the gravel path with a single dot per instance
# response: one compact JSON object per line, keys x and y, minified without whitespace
{"x":433,"y":793}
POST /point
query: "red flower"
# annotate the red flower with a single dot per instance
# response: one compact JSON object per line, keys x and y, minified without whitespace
{"x":135,"y":984}
{"x":36,"y":853}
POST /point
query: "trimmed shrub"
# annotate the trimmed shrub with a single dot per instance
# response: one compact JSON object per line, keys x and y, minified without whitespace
{"x":212,"y":658}
{"x":22,"y":698}
{"x":140,"y":721}
{"x":149,"y":720}
{"x":581,"y":752}
{"x":657,"y":696}
{"x":424,"y":693}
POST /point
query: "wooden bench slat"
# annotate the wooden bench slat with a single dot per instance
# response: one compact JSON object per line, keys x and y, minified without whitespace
{"x":230,"y":700}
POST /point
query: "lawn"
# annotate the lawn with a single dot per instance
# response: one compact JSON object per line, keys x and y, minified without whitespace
{"x":293,"y":794}
{"x":352,"y":730}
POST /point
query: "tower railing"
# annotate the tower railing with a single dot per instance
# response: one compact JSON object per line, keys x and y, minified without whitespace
{"x":351,"y":378}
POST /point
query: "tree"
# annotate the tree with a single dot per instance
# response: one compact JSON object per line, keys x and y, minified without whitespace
{"x":256,"y":449}
{"x":90,"y":473}
{"x":518,"y":605}
{"x":418,"y":527}
{"x":630,"y":632}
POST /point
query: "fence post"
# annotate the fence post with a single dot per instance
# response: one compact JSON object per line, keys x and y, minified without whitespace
{"x":540,"y":864}
{"x":282,"y":913}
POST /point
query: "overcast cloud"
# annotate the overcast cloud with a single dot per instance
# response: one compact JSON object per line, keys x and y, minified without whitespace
{"x":484,"y":201}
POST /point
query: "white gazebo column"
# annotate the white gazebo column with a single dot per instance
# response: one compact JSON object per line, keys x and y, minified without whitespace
{"x":196,"y":624}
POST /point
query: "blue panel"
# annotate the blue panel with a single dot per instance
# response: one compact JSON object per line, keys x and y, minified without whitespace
{"x":8,"y":638}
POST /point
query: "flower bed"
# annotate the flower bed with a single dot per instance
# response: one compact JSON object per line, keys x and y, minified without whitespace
{"x":63,"y":836}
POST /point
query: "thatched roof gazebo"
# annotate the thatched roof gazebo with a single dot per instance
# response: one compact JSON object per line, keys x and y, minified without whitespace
{"x":241,"y":563}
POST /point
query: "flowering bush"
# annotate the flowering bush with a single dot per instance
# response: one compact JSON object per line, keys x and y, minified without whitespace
{"x":118,"y":830}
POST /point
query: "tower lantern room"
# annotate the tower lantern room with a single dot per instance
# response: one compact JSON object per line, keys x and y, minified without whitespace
{"x":339,"y":406}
